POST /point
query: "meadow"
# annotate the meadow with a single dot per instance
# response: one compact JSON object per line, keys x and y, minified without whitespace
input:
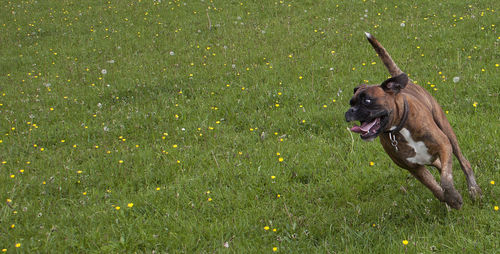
{"x":153,"y":126}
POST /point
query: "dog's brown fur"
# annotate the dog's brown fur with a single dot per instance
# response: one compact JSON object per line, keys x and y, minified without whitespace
{"x":426,"y":122}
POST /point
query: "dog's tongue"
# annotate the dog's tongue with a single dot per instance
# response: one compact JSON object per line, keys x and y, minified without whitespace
{"x":356,"y":129}
{"x":364,"y":128}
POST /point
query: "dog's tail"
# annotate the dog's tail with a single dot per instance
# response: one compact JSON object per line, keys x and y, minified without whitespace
{"x":386,"y":58}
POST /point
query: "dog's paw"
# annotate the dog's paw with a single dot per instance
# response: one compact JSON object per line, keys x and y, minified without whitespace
{"x":475,"y":193}
{"x":453,"y":198}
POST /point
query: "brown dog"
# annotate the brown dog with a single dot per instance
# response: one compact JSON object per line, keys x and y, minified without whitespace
{"x":413,"y":129}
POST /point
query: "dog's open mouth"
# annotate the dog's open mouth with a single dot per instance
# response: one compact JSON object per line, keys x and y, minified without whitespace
{"x":368,"y":129}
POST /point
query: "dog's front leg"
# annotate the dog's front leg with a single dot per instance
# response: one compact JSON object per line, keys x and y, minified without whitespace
{"x":427,"y":179}
{"x":451,"y":195}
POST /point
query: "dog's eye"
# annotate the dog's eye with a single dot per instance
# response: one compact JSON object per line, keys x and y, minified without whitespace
{"x":367,"y":101}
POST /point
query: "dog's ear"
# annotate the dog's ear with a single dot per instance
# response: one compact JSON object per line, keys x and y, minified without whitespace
{"x":358,"y":87}
{"x":395,"y":84}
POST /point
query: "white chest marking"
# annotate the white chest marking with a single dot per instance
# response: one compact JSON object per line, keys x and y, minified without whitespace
{"x":422,"y":157}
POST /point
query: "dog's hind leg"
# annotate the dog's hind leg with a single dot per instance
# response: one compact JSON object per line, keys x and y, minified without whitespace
{"x":474,"y":189}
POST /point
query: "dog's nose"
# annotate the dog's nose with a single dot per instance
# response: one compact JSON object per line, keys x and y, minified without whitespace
{"x":349,"y":115}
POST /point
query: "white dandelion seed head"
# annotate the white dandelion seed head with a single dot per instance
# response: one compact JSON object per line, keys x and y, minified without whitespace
{"x":172,"y":53}
{"x":403,"y":24}
{"x":104,"y":71}
{"x":456,"y":79}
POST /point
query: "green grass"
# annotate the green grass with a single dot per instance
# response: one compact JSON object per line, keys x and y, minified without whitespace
{"x":181,"y":107}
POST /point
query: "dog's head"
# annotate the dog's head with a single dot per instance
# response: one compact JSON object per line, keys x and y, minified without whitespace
{"x":372,"y":106}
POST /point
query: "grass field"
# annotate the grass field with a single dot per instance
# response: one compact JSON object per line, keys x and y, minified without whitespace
{"x":218,"y":126}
